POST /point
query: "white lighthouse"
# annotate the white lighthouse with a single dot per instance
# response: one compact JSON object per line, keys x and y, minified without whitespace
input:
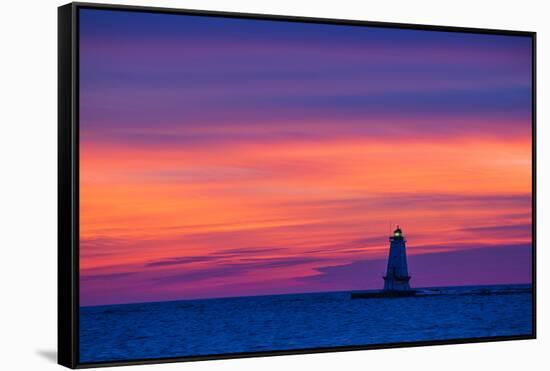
{"x":397,"y":275}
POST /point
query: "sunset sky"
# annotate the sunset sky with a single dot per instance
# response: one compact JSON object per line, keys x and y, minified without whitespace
{"x":230,"y":157}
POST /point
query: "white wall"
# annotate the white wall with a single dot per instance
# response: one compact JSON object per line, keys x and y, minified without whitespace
{"x":28,"y":182}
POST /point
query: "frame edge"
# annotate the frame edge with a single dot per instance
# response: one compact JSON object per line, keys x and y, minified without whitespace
{"x":300,"y":18}
{"x":67,"y":348}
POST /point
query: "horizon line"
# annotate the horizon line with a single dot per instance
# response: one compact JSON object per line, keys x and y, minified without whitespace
{"x":295,"y":293}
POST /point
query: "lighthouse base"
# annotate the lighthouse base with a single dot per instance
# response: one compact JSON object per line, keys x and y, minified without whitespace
{"x":383,"y":294}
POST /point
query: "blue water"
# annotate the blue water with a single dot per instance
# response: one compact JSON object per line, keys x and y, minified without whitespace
{"x":288,"y":322}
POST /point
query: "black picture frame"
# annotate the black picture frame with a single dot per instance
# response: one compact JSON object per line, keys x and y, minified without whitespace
{"x":68,"y":175}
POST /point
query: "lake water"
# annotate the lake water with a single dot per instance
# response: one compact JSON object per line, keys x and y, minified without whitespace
{"x":290,"y":322}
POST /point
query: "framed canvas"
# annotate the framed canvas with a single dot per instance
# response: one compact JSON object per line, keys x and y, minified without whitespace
{"x":236,"y":185}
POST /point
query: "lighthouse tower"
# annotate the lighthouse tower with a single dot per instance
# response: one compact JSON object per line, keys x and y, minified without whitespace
{"x":397,"y":275}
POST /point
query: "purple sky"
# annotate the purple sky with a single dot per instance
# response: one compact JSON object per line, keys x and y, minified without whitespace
{"x":227,"y":157}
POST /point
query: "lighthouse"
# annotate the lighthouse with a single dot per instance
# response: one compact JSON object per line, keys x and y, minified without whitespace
{"x":397,"y":274}
{"x":396,"y":280}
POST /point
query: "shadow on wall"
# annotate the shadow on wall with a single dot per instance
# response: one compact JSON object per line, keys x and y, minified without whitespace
{"x":50,"y":355}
